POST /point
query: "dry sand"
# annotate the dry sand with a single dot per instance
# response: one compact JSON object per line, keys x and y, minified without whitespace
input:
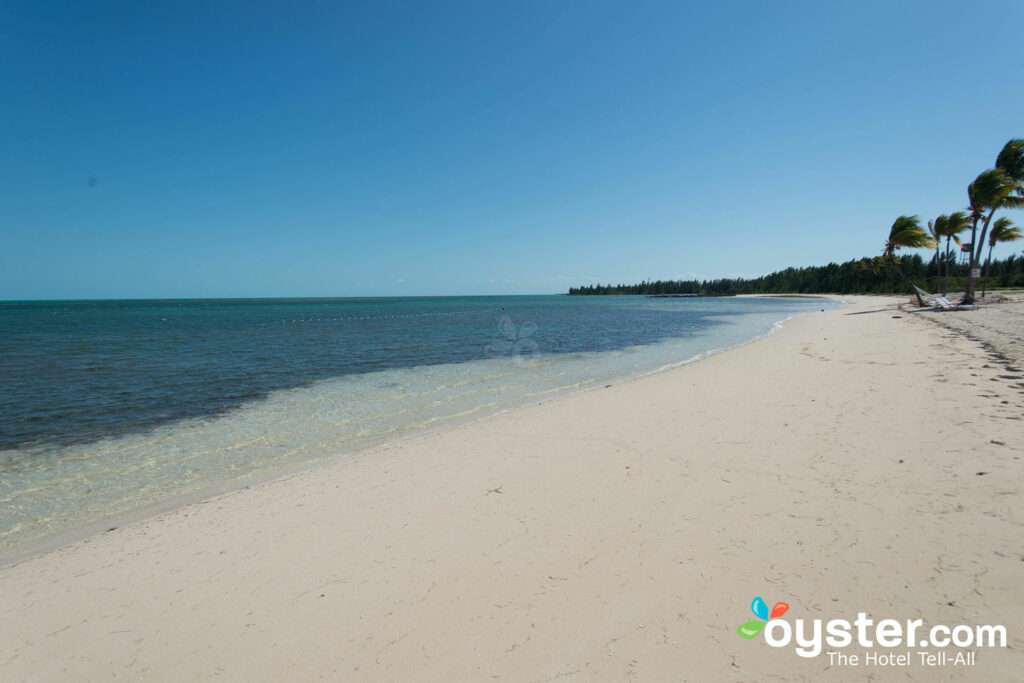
{"x":999,"y":327}
{"x":614,"y":534}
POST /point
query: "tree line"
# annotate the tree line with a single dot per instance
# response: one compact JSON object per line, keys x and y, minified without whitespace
{"x":859,"y":276}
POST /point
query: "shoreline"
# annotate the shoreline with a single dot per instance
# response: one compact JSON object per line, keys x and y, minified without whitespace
{"x":80,"y":532}
{"x":843,"y":464}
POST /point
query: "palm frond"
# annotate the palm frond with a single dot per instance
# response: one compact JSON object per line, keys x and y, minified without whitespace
{"x":1013,"y":201}
{"x":1011,"y":159}
{"x":989,"y":189}
{"x":1003,"y":230}
{"x":957,"y":222}
{"x":906,"y":232}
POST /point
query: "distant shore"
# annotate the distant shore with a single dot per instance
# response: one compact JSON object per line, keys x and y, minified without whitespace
{"x":862,"y":459}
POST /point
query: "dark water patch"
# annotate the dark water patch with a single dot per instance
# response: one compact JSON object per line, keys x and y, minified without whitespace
{"x":77,"y":372}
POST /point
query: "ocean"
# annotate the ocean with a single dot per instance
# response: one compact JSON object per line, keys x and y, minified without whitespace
{"x":111,"y":406}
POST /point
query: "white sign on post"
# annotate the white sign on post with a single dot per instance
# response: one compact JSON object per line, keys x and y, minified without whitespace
{"x":975,"y":272}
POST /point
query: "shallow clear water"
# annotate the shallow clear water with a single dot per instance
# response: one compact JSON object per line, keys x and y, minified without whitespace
{"x":109,"y":406}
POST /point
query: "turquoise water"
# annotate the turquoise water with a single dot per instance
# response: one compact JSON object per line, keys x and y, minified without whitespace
{"x":106,"y":407}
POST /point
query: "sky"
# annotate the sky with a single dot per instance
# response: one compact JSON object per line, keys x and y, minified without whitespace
{"x":249,"y":149}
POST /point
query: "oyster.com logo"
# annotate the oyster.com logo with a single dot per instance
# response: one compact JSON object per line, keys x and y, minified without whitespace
{"x":903,"y":641}
{"x":760,"y":610}
{"x":517,"y":342}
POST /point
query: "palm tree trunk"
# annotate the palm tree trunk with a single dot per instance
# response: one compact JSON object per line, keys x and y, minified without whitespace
{"x":945,"y":282}
{"x":988,"y":266}
{"x":969,"y":289}
{"x":976,"y":248}
{"x":938,"y":267}
{"x":984,"y":233}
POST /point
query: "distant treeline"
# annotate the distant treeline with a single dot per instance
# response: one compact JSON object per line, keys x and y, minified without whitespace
{"x":861,"y":276}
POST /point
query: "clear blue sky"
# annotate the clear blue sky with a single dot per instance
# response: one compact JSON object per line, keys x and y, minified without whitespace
{"x":381,"y":148}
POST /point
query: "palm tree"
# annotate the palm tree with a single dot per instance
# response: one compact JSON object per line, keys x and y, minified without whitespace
{"x":906,"y":232}
{"x":1003,"y":230}
{"x":998,"y":188}
{"x":935,"y":228}
{"x":955,"y":224}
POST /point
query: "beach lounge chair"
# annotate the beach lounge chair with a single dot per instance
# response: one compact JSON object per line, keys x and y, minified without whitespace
{"x":947,"y":305}
{"x":939,"y":302}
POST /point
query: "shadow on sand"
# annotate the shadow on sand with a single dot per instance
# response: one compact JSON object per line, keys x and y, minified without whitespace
{"x":877,"y":310}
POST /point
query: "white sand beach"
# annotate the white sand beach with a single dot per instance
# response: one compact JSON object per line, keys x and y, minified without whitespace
{"x":863,"y":459}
